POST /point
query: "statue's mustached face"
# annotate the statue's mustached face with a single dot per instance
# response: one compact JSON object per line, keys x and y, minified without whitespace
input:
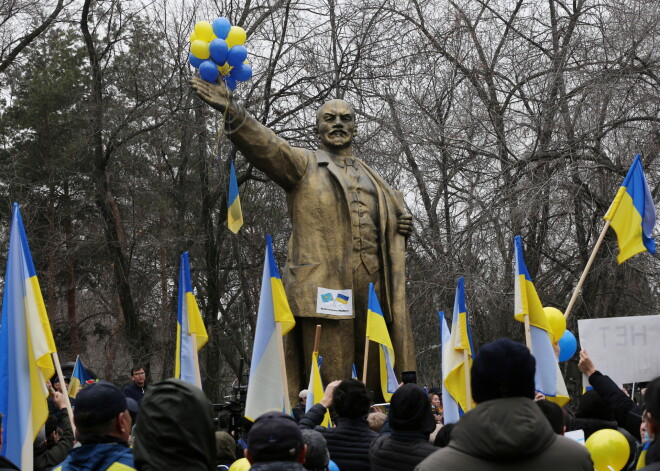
{"x":335,"y":121}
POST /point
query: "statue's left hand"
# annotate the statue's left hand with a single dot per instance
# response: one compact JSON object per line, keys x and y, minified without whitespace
{"x":405,"y":225}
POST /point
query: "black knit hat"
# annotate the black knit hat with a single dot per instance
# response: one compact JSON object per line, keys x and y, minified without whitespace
{"x":410,"y":410}
{"x":503,"y":368}
{"x":274,"y":437}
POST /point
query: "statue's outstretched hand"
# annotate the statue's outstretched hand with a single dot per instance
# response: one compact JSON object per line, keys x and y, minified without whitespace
{"x":405,"y":225}
{"x":216,"y":95}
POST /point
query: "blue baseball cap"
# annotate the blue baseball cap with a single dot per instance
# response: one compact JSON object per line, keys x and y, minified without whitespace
{"x":99,"y":402}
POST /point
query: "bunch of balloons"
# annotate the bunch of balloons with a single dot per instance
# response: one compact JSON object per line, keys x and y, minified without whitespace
{"x":565,"y":338}
{"x":217,"y":49}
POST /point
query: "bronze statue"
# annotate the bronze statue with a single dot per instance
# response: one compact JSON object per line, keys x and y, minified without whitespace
{"x":349,"y":229}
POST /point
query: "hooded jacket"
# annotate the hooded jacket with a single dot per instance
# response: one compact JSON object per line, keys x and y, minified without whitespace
{"x":175,"y":429}
{"x":509,"y":434}
{"x":114,"y":456}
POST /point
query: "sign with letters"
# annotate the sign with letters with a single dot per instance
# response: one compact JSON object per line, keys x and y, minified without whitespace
{"x":623,"y":348}
{"x":334,"y":302}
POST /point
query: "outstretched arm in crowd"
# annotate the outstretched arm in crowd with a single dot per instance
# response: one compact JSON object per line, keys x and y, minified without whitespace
{"x":628,"y":414}
{"x":314,"y":416}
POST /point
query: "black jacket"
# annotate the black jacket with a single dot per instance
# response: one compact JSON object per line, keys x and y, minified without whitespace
{"x":348,"y":442}
{"x":627,"y":414}
{"x":399,"y":451}
{"x":45,"y":457}
{"x":135,"y":392}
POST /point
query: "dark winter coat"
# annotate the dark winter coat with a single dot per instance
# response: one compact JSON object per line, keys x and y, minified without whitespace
{"x":399,"y":451}
{"x":277,"y":466}
{"x":135,"y":392}
{"x":113,"y":455}
{"x":627,"y":414}
{"x":509,"y":434}
{"x":348,"y":442}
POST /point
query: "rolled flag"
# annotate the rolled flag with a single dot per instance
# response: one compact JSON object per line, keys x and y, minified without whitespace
{"x":377,"y":331}
{"x":450,"y":407}
{"x":234,"y":212}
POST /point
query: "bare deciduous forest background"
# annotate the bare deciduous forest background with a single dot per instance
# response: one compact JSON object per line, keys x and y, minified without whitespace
{"x":494,"y":117}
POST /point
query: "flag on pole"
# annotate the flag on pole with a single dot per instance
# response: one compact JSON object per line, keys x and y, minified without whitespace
{"x":354,"y":374}
{"x":315,"y":389}
{"x":460,"y":340}
{"x":234,"y":212}
{"x":26,"y":344}
{"x":451,"y":412}
{"x":190,"y":331}
{"x":377,"y":331}
{"x":266,"y":388}
{"x":78,"y":378}
{"x":632,"y":214}
{"x":548,"y":378}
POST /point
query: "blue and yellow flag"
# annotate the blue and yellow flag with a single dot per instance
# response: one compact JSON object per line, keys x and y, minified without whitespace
{"x":26,"y":345}
{"x":632,"y":214}
{"x":78,"y":378}
{"x":451,"y":411}
{"x":548,"y":378}
{"x":459,"y":341}
{"x":234,"y":212}
{"x":266,"y":389}
{"x":315,"y":390}
{"x":190,"y":331}
{"x":377,"y":331}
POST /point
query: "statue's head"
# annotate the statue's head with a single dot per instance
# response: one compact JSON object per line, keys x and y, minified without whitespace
{"x":335,"y":124}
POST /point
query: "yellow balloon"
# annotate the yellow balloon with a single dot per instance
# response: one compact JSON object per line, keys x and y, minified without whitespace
{"x":240,"y":465}
{"x":224,"y":69}
{"x":200,"y":49}
{"x":557,"y":322}
{"x":204,"y":31}
{"x":609,"y":450}
{"x":193,"y":37}
{"x":236,"y":36}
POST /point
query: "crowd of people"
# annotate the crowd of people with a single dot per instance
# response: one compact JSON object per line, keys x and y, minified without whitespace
{"x":170,"y":425}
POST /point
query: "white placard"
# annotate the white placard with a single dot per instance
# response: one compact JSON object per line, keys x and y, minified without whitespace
{"x":623,"y":348}
{"x":334,"y":302}
{"x":577,"y":435}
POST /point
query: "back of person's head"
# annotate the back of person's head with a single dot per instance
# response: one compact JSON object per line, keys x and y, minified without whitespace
{"x":443,"y":437}
{"x":592,"y":406}
{"x":102,"y":409}
{"x":275,"y":436}
{"x":225,"y":448}
{"x":652,"y":403}
{"x":317,"y":456}
{"x":351,"y":399}
{"x":175,"y":429}
{"x":502,"y":368}
{"x":376,"y":421}
{"x":554,"y":414}
{"x":410,"y":410}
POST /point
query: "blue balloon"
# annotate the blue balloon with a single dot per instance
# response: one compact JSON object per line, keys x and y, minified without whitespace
{"x":209,"y":71}
{"x":236,"y":55}
{"x":241,"y":73}
{"x":221,"y":27}
{"x":230,"y":82}
{"x":194,"y":61}
{"x":567,"y":346}
{"x":218,"y":49}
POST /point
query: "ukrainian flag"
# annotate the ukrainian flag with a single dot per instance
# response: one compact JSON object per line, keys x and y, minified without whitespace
{"x":377,"y":331}
{"x":234,"y":212}
{"x":632,"y":214}
{"x":460,"y":340}
{"x":266,"y":388}
{"x":315,"y":389}
{"x":190,"y":331}
{"x":78,"y":378}
{"x":548,"y":378}
{"x":451,"y":412}
{"x":26,"y":345}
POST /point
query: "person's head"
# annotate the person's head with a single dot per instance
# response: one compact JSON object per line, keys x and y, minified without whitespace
{"x":225,"y":448}
{"x":502,"y":368}
{"x":335,"y":125}
{"x":351,"y":399}
{"x":175,"y":428}
{"x":376,"y":420}
{"x":317,"y":456}
{"x":275,"y":436}
{"x":554,"y":414}
{"x":302,"y":395}
{"x":434,"y":399}
{"x":103,"y":410}
{"x":410,"y":410}
{"x":652,"y":403}
{"x":138,"y":376}
{"x":592,"y":406}
{"x":56,"y":383}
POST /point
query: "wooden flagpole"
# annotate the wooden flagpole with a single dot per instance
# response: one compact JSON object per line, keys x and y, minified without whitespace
{"x":317,"y":338}
{"x":65,"y":390}
{"x":280,"y":351}
{"x":578,"y":288}
{"x":528,"y":333}
{"x":468,"y":385}
{"x":366,"y":360}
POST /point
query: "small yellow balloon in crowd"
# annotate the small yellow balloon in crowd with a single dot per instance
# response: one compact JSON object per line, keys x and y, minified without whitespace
{"x":200,"y":49}
{"x":193,"y":37}
{"x":557,"y":322}
{"x":236,"y":36}
{"x":204,"y":31}
{"x":240,"y":465}
{"x":609,"y":450}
